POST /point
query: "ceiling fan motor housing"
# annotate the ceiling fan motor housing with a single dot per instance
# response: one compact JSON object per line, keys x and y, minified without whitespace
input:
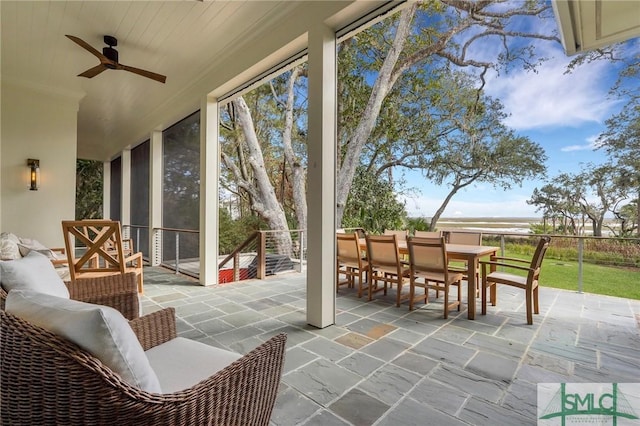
{"x":110,"y":52}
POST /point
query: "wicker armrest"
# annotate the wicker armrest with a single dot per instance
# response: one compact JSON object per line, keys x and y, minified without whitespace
{"x":118,"y":291}
{"x":155,"y":328}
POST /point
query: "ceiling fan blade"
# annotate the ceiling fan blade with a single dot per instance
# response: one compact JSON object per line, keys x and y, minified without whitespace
{"x":92,"y":72}
{"x":88,"y":47}
{"x":152,"y":75}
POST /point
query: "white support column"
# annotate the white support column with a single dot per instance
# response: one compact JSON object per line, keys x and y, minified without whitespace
{"x":106,"y":190}
{"x":321,"y":178}
{"x":155,"y":198}
{"x":209,"y":171}
{"x":125,"y":193}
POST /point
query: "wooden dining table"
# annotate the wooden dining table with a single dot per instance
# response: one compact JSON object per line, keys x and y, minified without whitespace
{"x":471,"y":254}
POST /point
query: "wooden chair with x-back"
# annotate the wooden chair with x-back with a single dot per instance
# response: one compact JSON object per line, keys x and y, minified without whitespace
{"x":95,"y":248}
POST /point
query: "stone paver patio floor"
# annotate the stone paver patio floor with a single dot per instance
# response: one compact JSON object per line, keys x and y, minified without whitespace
{"x":383,"y":365}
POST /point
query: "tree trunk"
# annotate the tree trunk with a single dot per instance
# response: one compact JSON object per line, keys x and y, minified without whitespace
{"x":298,"y":175}
{"x":456,"y":187}
{"x":264,"y":200}
{"x":383,"y":84}
{"x":597,"y":227}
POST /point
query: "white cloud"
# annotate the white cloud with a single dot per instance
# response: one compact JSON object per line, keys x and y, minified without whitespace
{"x":550,"y":98}
{"x":589,"y":146}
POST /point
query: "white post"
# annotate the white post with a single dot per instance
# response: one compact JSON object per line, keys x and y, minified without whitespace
{"x":155,"y":198}
{"x":209,"y":156}
{"x":125,"y":193}
{"x":106,"y":190}
{"x":321,"y":178}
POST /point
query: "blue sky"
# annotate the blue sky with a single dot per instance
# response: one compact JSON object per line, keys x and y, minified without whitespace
{"x":564,"y":113}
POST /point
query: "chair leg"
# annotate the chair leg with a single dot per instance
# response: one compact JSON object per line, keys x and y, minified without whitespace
{"x":364,"y":279}
{"x":493,"y":292}
{"x":536,"y":305}
{"x":446,"y":301}
{"x":484,"y":296}
{"x":459,"y":296}
{"x":529,"y":302}
{"x":412,"y":292}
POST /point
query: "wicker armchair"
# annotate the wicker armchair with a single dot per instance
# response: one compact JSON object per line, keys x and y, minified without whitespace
{"x":117,"y":291}
{"x":48,"y":380}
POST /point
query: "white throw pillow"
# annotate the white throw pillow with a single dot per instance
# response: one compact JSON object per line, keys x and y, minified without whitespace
{"x":27,"y":245}
{"x":50,"y":254}
{"x":32,"y":272}
{"x":9,"y":246}
{"x":100,"y":330}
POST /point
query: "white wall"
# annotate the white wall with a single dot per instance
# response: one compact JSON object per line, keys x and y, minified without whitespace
{"x":41,"y":125}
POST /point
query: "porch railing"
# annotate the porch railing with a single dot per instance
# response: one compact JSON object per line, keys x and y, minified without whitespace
{"x":564,"y":249}
{"x":262,"y":254}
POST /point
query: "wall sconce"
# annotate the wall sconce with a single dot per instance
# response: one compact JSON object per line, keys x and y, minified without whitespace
{"x":34,"y":174}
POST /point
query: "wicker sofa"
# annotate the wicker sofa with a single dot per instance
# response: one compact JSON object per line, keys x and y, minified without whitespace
{"x":117,"y":291}
{"x":13,"y":247}
{"x":46,"y":379}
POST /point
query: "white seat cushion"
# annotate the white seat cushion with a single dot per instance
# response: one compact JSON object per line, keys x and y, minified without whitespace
{"x":100,"y":330}
{"x":33,"y":272}
{"x":181,"y":363}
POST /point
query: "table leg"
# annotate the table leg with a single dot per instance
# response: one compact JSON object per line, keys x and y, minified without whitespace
{"x":472,"y":267}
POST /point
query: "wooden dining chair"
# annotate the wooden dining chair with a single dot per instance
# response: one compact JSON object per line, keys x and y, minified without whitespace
{"x":402,"y":238}
{"x":402,"y":235}
{"x":428,"y":269}
{"x":463,"y":237}
{"x":350,"y":262}
{"x":529,"y":283}
{"x":110,"y":245}
{"x":100,"y":250}
{"x":427,"y":234}
{"x":386,"y":266}
{"x":469,"y":239}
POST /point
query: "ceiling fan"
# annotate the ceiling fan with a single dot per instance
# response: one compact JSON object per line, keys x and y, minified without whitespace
{"x":109,"y":60}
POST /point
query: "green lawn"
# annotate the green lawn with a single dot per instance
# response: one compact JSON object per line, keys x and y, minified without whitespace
{"x":611,"y":281}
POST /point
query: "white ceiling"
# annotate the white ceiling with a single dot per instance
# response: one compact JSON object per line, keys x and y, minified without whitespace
{"x":590,"y":24}
{"x":199,"y":45}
